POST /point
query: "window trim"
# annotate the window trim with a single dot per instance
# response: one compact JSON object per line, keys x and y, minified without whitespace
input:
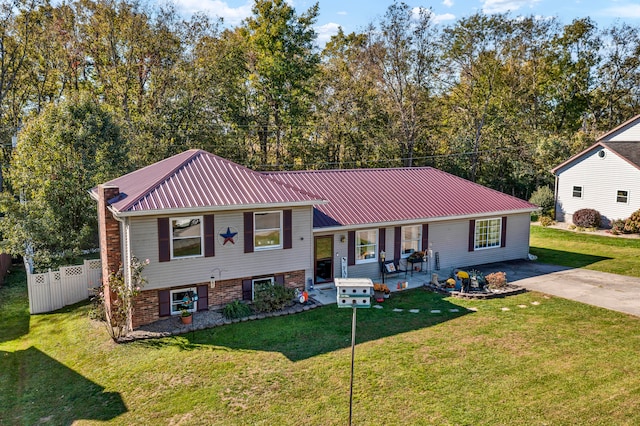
{"x":181,"y":290}
{"x":171,"y":237}
{"x":573,"y":191}
{"x":253,"y":284}
{"x":418,"y":239}
{"x":626,"y":196}
{"x":498,"y":241}
{"x":256,"y":247}
{"x":375,"y":244}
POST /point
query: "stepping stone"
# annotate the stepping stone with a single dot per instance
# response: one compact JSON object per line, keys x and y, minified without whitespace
{"x":377,"y":306}
{"x":546,"y":297}
{"x":506,"y":309}
{"x":397,"y":310}
{"x":522,"y":306}
{"x":535,"y":303}
{"x":414,"y":311}
{"x":472,"y":309}
{"x":454,"y":310}
{"x":435,"y":311}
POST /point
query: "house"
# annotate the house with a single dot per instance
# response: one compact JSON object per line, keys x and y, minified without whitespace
{"x":602,"y":177}
{"x":215,"y":229}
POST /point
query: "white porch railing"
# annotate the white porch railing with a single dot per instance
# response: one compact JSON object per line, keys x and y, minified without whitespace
{"x":55,"y":289}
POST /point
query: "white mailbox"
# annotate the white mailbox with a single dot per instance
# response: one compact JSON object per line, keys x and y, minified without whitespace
{"x":354,"y":292}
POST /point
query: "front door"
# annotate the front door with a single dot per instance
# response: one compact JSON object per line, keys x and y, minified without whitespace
{"x":324,"y":259}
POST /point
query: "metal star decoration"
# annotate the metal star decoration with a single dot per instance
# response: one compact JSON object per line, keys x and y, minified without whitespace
{"x":228,"y":236}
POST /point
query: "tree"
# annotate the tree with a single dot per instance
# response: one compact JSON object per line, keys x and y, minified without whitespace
{"x":282,"y":61}
{"x":61,"y":154}
{"x":404,"y":56}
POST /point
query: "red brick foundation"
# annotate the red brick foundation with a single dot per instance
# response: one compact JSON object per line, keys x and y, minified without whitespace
{"x":146,"y":309}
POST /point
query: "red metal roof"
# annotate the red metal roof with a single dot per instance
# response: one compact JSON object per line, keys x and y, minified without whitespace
{"x":197,"y":179}
{"x":363,"y":196}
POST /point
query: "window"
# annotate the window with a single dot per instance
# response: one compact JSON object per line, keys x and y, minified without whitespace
{"x":260,"y":281}
{"x":367,"y":246}
{"x":186,"y":237}
{"x":488,"y":233}
{"x":622,"y":197}
{"x":577,"y":192}
{"x":185,"y":298}
{"x":410,"y":240}
{"x":267,"y":230}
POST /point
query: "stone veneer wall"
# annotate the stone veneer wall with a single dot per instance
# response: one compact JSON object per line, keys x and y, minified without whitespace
{"x":146,"y":309}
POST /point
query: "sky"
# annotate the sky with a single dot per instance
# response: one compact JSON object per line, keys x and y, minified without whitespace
{"x":354,"y":15}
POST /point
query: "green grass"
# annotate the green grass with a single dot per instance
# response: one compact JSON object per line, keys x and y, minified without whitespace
{"x":584,"y":250}
{"x":558,"y":362}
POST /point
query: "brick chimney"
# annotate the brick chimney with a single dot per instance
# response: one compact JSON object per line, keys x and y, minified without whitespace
{"x":109,"y":232}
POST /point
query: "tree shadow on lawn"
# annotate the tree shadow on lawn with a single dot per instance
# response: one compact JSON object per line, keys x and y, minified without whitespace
{"x":325,"y":329}
{"x":38,"y":389}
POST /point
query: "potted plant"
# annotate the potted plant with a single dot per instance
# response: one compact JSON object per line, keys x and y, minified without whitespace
{"x":186,"y":316}
{"x":380,"y":292}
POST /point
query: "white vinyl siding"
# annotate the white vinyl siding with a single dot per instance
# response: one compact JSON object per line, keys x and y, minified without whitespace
{"x":231,"y":259}
{"x":450,"y":239}
{"x":605,"y":176}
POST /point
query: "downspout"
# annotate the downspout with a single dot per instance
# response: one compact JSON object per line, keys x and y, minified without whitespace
{"x":555,"y":199}
{"x":125,"y":247}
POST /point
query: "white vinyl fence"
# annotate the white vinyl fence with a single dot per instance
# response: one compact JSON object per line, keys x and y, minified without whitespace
{"x":56,"y":289}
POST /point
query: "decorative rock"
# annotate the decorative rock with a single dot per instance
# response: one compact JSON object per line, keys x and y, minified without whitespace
{"x":378,"y":306}
{"x":454,"y":310}
{"x":522,"y":306}
{"x":397,"y":310}
{"x":505,"y":309}
{"x":436,"y":311}
{"x":414,"y":311}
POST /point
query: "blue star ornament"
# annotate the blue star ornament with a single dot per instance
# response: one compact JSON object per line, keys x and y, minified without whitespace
{"x":228,"y":236}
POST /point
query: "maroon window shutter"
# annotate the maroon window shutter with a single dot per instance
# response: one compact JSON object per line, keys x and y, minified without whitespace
{"x":164,"y":302}
{"x":472,"y":234}
{"x":247,"y":293}
{"x":425,"y":237}
{"x":382,"y":239}
{"x":248,"y":233}
{"x":164,"y":240}
{"x":503,"y":235}
{"x":279,"y":279}
{"x":286,"y":224}
{"x":209,"y":236}
{"x":203,"y":297}
{"x":397,"y":242}
{"x":351,"y":248}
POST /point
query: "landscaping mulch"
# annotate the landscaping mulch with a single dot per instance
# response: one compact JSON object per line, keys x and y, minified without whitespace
{"x":206,"y":319}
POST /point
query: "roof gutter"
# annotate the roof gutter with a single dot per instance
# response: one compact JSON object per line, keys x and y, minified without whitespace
{"x":420,"y":221}
{"x":205,"y":209}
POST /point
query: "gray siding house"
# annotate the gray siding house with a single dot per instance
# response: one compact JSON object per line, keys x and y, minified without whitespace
{"x":214,"y":229}
{"x":603,"y":177}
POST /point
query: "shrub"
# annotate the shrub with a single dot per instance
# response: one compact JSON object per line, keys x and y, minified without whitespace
{"x":496,"y":280}
{"x":587,"y":218}
{"x":617,"y":226}
{"x":269,"y":297}
{"x":546,"y":221}
{"x":632,"y":224}
{"x":543,"y":197}
{"x":236,"y":309}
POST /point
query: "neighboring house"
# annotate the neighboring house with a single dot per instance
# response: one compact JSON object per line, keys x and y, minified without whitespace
{"x":213,"y":228}
{"x":603,"y":177}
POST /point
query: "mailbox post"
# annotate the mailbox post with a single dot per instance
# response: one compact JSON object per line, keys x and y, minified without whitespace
{"x":353,"y":293}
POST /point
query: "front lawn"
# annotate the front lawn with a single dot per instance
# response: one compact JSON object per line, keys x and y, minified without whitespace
{"x":543,"y":361}
{"x":585,"y":250}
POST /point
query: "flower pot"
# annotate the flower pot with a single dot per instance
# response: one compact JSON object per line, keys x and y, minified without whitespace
{"x":187,"y":319}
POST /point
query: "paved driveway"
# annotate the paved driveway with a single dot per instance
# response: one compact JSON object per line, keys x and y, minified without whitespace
{"x":610,"y":291}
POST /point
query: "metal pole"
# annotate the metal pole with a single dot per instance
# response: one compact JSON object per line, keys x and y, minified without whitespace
{"x":353,"y":350}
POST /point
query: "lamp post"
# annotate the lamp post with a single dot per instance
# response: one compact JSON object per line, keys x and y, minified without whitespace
{"x":383,"y":255}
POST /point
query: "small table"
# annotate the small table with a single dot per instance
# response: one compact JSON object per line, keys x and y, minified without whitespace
{"x":413,"y":263}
